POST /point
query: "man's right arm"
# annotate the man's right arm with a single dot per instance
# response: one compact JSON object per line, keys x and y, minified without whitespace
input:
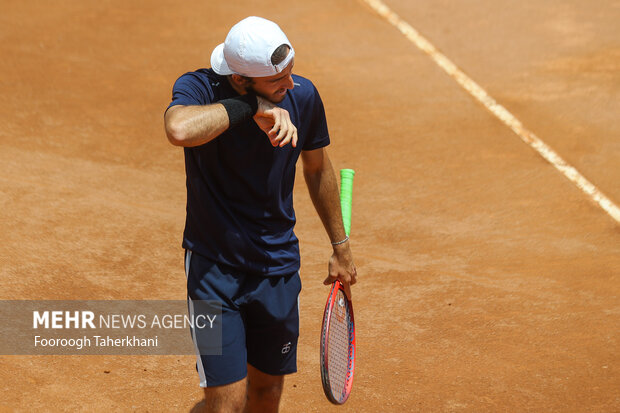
{"x":195,"y":125}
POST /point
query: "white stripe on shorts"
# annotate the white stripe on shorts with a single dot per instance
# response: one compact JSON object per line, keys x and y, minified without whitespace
{"x":201,"y":369}
{"x":188,"y":258}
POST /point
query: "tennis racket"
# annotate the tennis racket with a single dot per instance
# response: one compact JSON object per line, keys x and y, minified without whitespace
{"x":338,"y":331}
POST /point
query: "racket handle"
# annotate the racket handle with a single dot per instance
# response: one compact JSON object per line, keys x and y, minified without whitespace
{"x":346,"y":197}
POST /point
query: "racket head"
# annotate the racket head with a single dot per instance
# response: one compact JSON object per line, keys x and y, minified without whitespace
{"x":337,"y":345}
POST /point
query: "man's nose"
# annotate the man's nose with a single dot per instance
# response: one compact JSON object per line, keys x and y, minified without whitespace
{"x":289,"y":82}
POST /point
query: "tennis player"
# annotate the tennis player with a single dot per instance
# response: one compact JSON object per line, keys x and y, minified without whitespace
{"x":243,"y":124}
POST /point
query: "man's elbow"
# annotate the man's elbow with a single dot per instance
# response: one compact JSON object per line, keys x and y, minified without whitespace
{"x":176,"y":133}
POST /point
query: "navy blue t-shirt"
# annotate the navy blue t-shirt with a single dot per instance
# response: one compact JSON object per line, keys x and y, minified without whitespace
{"x":239,"y":187}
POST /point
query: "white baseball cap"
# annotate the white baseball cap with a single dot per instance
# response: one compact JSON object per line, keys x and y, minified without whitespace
{"x":248,"y":48}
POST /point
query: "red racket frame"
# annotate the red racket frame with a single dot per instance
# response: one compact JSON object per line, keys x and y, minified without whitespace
{"x":336,"y":286}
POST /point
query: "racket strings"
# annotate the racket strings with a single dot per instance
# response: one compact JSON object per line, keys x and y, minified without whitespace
{"x":338,"y":348}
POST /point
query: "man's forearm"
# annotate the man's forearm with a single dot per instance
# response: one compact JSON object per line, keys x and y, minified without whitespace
{"x":323,"y":188}
{"x":195,"y":125}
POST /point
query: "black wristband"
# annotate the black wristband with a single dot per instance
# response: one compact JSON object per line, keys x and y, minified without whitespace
{"x":240,"y":108}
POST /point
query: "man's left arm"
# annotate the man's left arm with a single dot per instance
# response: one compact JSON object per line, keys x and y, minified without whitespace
{"x":323,"y":187}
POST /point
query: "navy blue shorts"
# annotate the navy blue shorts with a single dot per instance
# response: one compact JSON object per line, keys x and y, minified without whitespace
{"x":260,"y":320}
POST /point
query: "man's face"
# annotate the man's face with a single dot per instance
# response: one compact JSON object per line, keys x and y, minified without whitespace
{"x":273,"y":88}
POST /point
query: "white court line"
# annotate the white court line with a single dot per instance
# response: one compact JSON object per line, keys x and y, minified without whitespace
{"x":495,"y":108}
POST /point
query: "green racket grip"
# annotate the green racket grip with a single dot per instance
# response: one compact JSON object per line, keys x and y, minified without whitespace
{"x":346,"y":197}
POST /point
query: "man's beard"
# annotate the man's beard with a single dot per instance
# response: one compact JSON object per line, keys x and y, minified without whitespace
{"x":250,"y":89}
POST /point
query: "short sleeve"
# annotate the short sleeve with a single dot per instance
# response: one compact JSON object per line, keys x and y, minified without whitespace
{"x":191,"y":89}
{"x":318,"y":135}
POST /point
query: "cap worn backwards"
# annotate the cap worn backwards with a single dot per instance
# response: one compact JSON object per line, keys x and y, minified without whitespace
{"x":248,"y":48}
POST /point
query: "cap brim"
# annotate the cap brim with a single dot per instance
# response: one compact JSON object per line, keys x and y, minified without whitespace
{"x":218,"y":63}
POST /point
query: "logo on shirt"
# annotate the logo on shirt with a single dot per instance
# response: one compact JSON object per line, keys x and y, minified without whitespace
{"x":286,"y":348}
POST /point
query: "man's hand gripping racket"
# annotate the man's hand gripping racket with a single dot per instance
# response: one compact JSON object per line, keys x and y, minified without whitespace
{"x":338,"y":331}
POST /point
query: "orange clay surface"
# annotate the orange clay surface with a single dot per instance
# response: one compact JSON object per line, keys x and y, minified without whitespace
{"x":487,"y":281}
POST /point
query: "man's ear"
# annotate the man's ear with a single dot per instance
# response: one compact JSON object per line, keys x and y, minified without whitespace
{"x":239,"y":80}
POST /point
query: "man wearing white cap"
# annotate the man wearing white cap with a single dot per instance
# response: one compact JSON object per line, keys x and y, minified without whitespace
{"x":243,"y":124}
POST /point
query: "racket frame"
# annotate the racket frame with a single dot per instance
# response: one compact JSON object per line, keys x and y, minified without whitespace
{"x":337,"y":286}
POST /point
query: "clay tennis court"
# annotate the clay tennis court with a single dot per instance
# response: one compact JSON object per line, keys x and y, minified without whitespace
{"x":487,"y":280}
